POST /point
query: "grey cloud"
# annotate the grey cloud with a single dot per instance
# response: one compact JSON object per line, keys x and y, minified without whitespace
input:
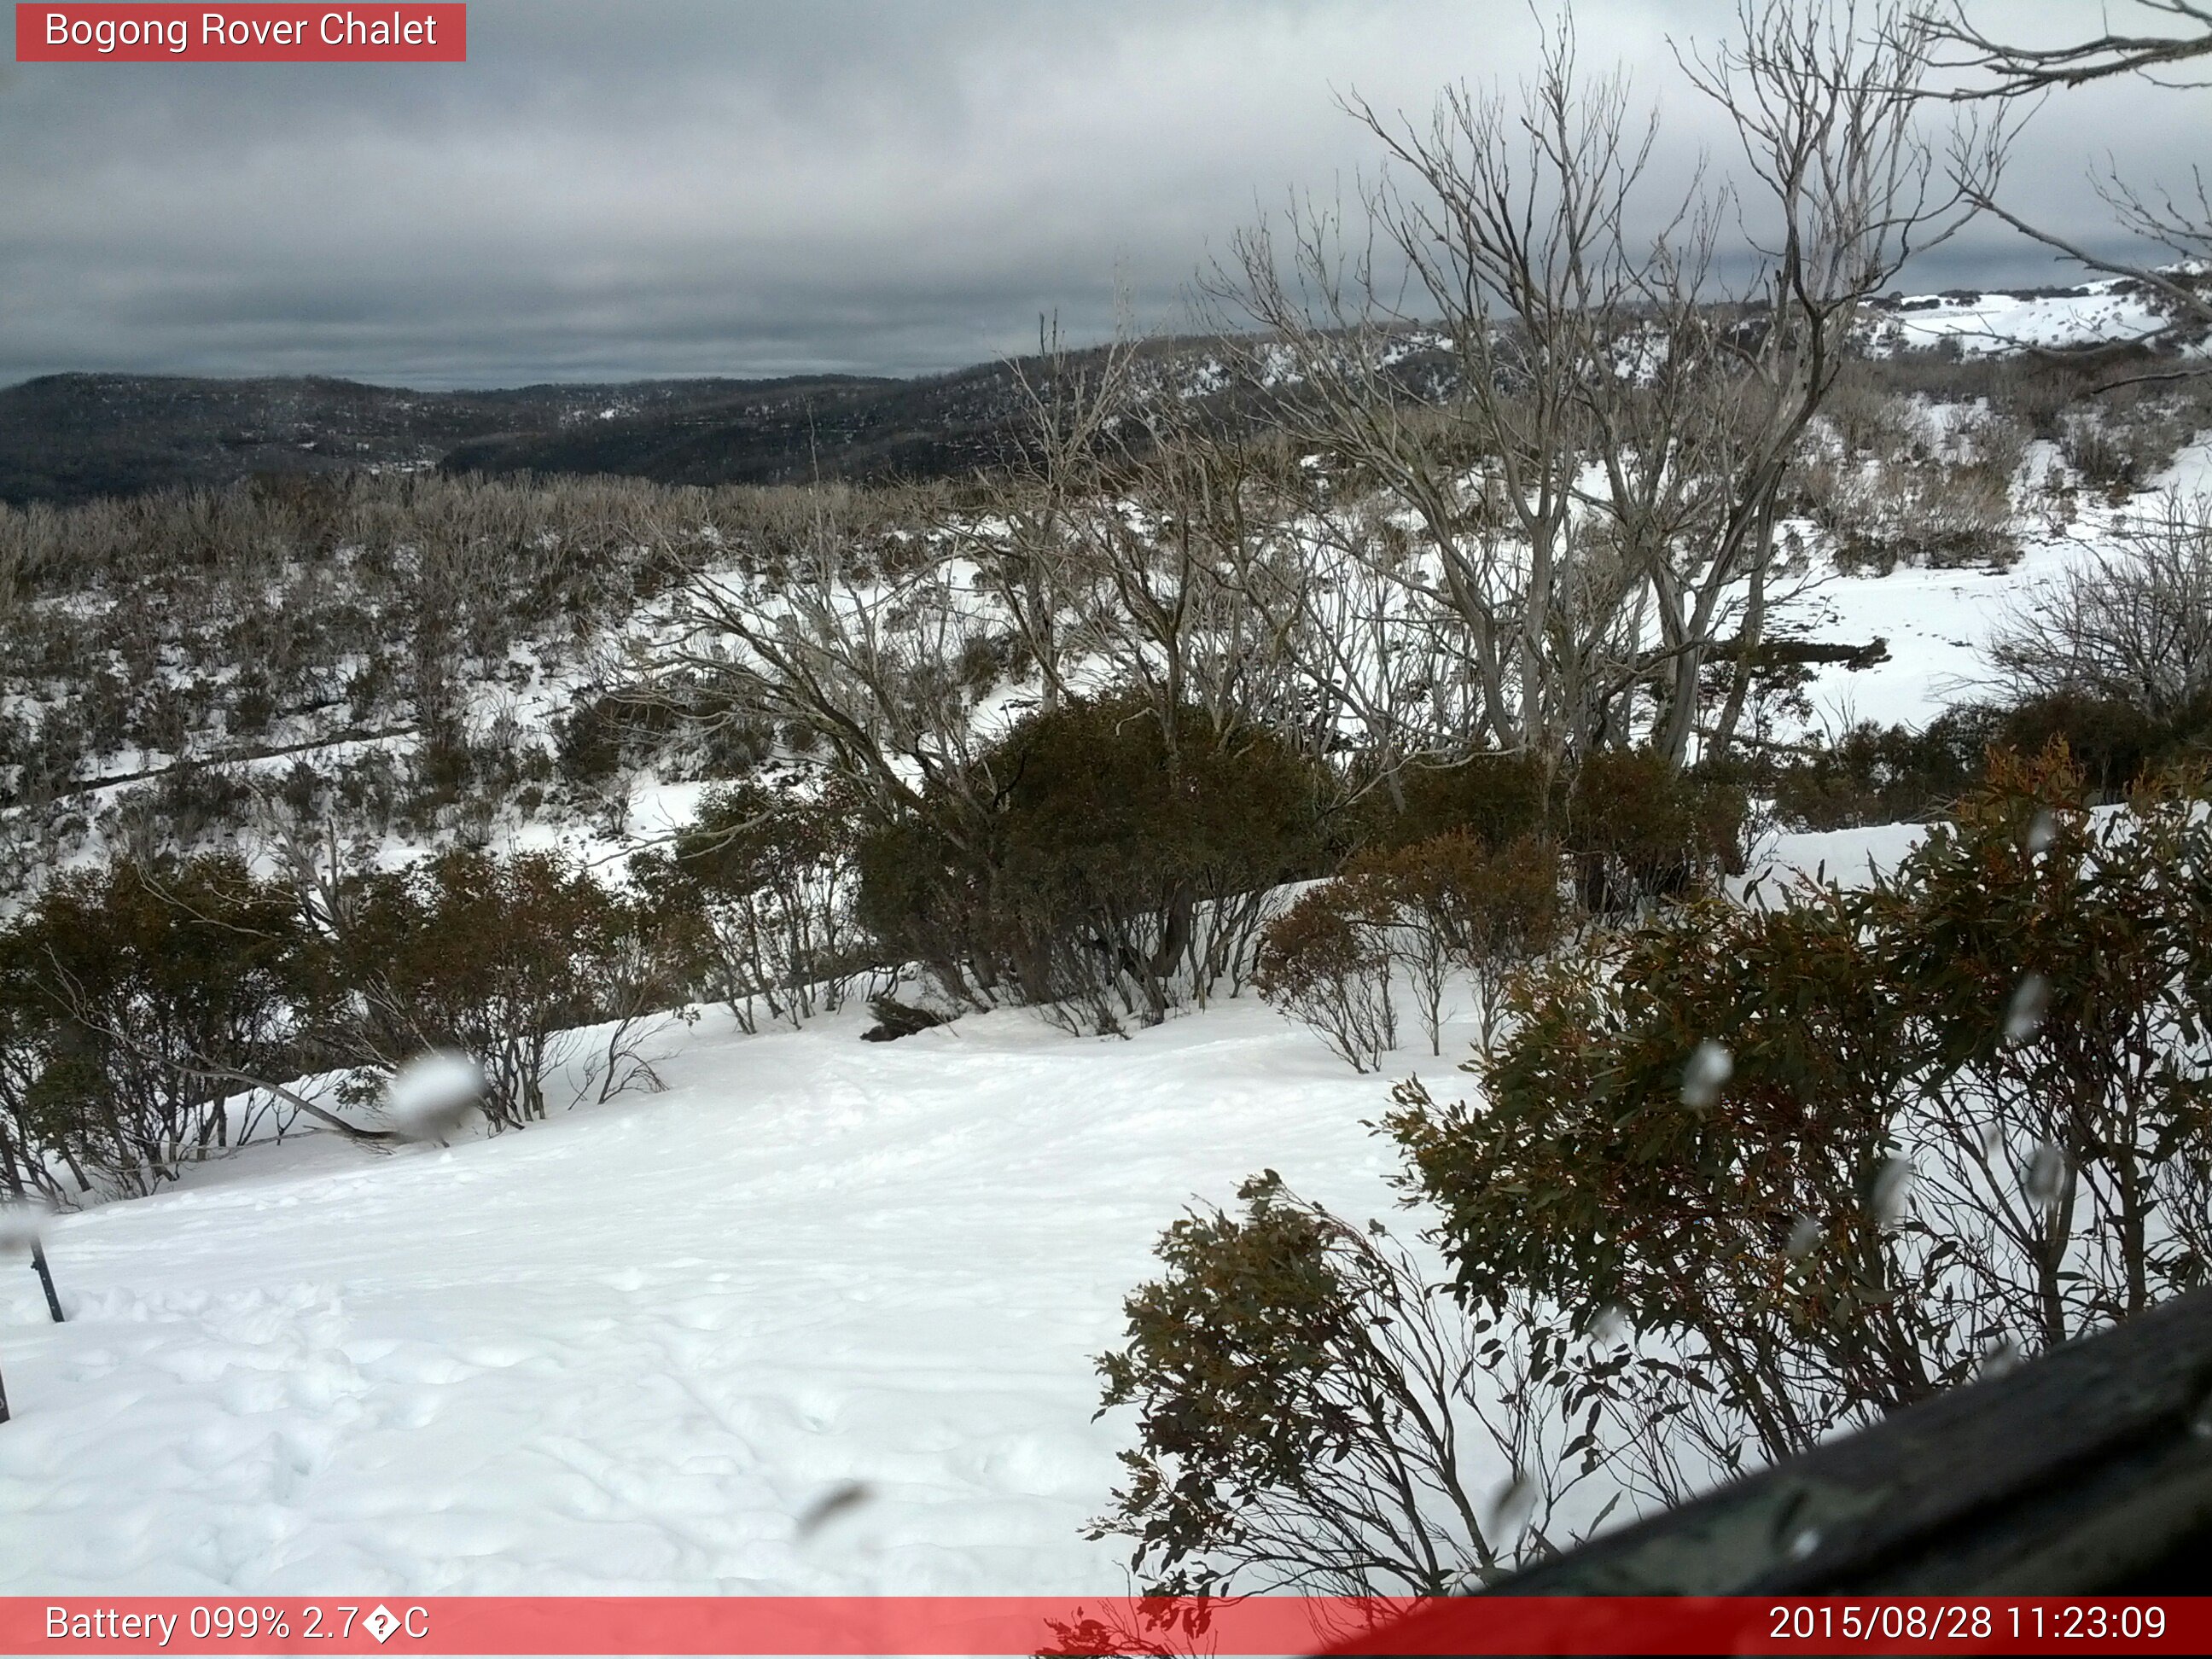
{"x":712,"y":187}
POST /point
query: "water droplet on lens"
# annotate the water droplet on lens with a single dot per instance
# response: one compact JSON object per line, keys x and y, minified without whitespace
{"x":22,"y":1222}
{"x":1893,"y":1190}
{"x":1709,"y":1067}
{"x":842,"y":1498}
{"x":1510,"y":1509}
{"x":2024,"y":1013}
{"x":1610,"y":1327}
{"x":432,"y":1095}
{"x":2045,"y":1175}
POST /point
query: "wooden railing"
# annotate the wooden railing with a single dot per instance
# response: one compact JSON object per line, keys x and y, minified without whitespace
{"x":2087,"y":1469}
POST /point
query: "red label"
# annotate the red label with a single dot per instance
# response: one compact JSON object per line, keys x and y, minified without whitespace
{"x":105,"y":33}
{"x":1022,"y":1627}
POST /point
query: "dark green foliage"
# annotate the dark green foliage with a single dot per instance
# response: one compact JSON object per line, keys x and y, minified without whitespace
{"x":2116,"y":745}
{"x":1493,"y":797}
{"x":1111,"y":868}
{"x":137,"y":1000}
{"x":1964,"y":1110}
{"x":1639,"y":830}
{"x":763,"y":883}
{"x":1306,"y":1409}
{"x":672,"y":725}
{"x":502,"y":960}
{"x":1884,"y":774}
{"x":153,"y":1013}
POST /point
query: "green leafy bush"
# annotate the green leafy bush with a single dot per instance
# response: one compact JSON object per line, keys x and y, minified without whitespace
{"x":1311,"y":1417}
{"x":1641,"y":830}
{"x":135,"y":1001}
{"x":1842,"y":1152}
{"x":1326,"y":961}
{"x":763,"y":881}
{"x":1113,"y":867}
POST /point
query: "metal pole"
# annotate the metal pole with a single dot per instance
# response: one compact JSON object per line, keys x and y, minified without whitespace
{"x":46,"y":1279}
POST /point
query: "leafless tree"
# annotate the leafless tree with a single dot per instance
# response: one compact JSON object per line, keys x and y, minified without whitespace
{"x":2134,"y":627}
{"x":1497,"y":242}
{"x":1826,"y":101}
{"x":1024,"y":543}
{"x":874,"y":661}
{"x":1580,"y":336}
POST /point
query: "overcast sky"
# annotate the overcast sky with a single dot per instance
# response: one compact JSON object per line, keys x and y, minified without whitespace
{"x":675,"y":187}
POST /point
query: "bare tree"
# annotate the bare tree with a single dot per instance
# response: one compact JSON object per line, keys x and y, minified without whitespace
{"x":1498,"y":244}
{"x":1827,"y":99}
{"x":1072,"y":406}
{"x":874,"y":659}
{"x":2134,"y":627}
{"x":1545,"y":377}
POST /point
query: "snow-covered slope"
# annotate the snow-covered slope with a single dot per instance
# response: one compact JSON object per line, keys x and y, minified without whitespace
{"x":1983,"y":324}
{"x":629,"y":1349}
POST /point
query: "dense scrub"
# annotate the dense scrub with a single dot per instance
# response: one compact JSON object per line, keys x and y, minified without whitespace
{"x":153,"y":1015}
{"x":1099,"y":859}
{"x":1742,"y":1175}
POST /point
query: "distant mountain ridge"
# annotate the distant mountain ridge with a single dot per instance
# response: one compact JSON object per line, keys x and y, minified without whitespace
{"x":70,"y":437}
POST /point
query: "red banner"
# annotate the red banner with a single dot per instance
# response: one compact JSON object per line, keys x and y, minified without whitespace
{"x":368,"y":34}
{"x":1030,"y":1625}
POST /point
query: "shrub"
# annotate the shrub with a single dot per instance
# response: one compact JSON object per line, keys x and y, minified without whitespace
{"x":2116,"y":745}
{"x":1308,"y":1415}
{"x":506,"y":961}
{"x":1639,"y":830}
{"x":768,"y":878}
{"x":140,"y":1000}
{"x":1882,"y":774}
{"x":1096,"y":863}
{"x":1327,"y":960}
{"x":1458,"y":905}
{"x":1910,"y":505}
{"x":1493,"y":797}
{"x":1839,"y":1152}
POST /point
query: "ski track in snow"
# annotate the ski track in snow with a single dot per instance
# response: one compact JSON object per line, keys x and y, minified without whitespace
{"x":619,"y":1352}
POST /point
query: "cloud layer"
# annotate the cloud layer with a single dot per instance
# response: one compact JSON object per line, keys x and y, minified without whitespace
{"x":727,"y":187}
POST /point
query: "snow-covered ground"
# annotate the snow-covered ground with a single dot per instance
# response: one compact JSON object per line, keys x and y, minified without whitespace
{"x":626,"y":1350}
{"x":1987,"y":325}
{"x":1937,"y":621}
{"x":630,"y":1349}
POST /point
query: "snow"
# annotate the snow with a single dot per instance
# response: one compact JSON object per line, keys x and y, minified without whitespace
{"x":629,"y":1350}
{"x":1847,"y":858}
{"x":820,"y":1318}
{"x":1988,"y":325}
{"x":1937,"y":621}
